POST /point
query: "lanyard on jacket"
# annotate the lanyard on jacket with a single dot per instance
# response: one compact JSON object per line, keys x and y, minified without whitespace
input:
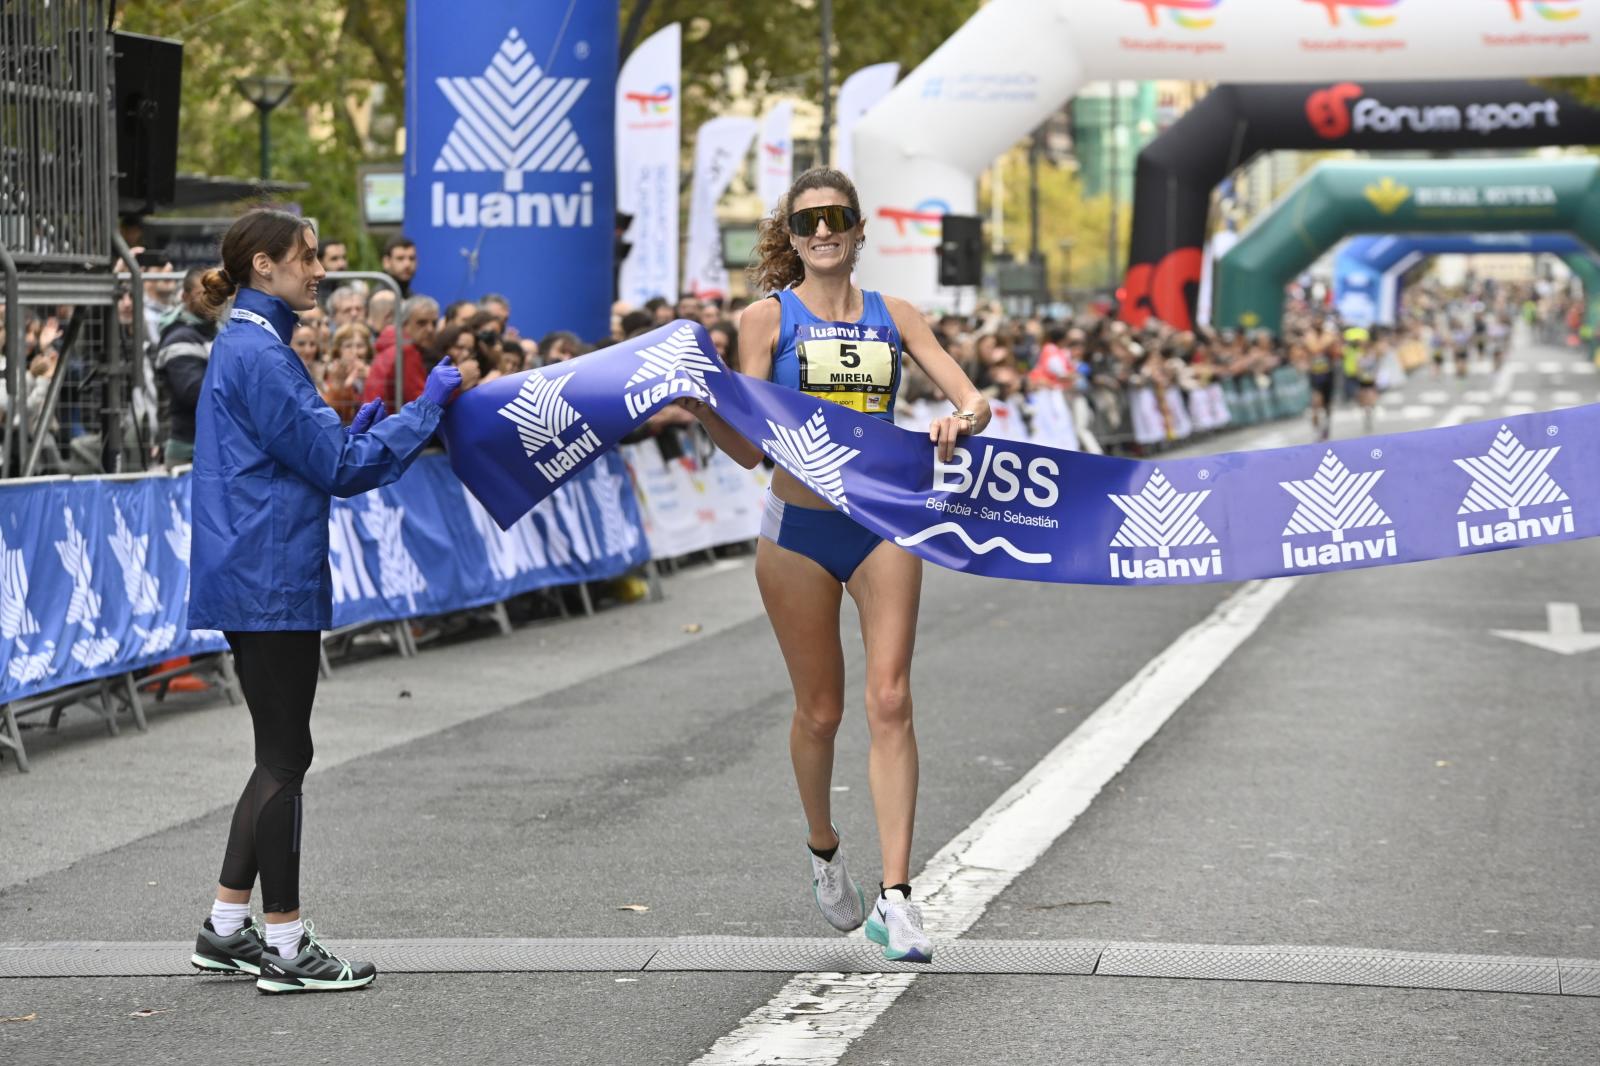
{"x":250,"y":316}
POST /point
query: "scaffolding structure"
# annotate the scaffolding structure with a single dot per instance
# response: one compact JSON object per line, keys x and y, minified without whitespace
{"x":61,"y":254}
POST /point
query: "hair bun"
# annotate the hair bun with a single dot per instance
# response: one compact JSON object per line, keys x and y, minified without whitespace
{"x":217,"y":289}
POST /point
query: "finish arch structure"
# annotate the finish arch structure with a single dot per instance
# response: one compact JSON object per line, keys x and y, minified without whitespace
{"x":1369,"y":270}
{"x":919,"y":152}
{"x":1338,"y":199}
{"x":1232,"y":124}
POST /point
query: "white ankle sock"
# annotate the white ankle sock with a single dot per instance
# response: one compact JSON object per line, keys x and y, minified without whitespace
{"x":285,"y":938}
{"x":228,"y":918}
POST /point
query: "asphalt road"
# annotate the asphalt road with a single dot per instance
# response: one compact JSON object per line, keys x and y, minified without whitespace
{"x":1372,"y":768}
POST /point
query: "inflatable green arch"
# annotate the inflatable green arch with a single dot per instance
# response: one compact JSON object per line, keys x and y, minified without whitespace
{"x":1365,"y":196}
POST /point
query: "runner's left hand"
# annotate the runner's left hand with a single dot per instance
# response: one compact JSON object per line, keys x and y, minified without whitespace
{"x":943,"y":433}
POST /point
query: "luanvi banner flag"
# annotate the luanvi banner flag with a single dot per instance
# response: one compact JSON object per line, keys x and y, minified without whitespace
{"x":1004,"y":508}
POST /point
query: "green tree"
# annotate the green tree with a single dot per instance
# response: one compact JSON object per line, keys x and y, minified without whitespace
{"x":348,"y":64}
{"x":1586,"y":90}
{"x":347,"y":58}
{"x":1074,"y":230}
{"x":779,"y":43}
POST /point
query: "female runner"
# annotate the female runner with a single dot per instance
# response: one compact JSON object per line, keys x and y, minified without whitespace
{"x":268,"y":454}
{"x":818,"y":328}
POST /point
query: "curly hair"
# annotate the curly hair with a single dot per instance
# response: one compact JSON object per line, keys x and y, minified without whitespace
{"x":777,"y":265}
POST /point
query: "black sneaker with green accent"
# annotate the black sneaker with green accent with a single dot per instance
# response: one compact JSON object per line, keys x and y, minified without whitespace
{"x":315,"y":969}
{"x":239,"y":953}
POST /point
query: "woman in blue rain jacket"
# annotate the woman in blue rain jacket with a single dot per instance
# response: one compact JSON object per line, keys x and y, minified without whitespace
{"x":269,"y":454}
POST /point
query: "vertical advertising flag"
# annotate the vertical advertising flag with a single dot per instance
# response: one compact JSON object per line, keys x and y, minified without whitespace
{"x":775,"y":155}
{"x":510,"y":156}
{"x":649,"y":131}
{"x":856,"y":96}
{"x":720,"y":148}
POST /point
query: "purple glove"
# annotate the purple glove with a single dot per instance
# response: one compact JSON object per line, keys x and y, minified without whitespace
{"x":371,"y":413}
{"x":443,"y":381}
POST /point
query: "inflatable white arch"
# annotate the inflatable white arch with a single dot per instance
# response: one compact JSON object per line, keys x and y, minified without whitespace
{"x":918,"y":153}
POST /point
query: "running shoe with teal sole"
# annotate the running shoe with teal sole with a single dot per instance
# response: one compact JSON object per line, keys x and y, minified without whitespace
{"x":838,"y":897}
{"x":897,"y":925}
{"x":315,"y":969}
{"x":239,"y":953}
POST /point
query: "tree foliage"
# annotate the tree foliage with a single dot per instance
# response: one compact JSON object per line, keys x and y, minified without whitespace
{"x":1074,"y":231}
{"x":347,"y":58}
{"x":1585,"y":90}
{"x":337,"y":51}
{"x":779,"y":43}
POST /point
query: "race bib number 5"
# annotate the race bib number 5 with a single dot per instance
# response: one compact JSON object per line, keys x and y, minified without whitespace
{"x":856,"y":374}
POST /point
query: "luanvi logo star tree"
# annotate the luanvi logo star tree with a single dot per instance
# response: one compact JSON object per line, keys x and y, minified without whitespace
{"x":1334,"y":500}
{"x":1511,"y":477}
{"x":513,"y":119}
{"x":1161,"y":517}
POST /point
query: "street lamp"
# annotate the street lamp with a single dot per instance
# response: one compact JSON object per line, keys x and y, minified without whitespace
{"x":266,"y":91}
{"x":1066,"y":244}
{"x":827,"y":81}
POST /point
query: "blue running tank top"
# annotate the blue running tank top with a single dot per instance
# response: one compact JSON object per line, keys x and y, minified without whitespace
{"x":854,"y":364}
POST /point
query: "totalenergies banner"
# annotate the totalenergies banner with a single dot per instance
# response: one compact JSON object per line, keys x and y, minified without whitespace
{"x":510,"y":181}
{"x":649,"y":132}
{"x":1006,"y":508}
{"x":1178,"y":170}
{"x":1017,"y":61}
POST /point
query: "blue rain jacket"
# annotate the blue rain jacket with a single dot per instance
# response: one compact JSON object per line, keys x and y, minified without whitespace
{"x":268,"y":454}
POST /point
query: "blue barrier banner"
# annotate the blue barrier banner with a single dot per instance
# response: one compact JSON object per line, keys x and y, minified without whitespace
{"x":1013,"y":509}
{"x":424,"y":546}
{"x":510,"y":156}
{"x":94,"y":575}
{"x":94,"y":581}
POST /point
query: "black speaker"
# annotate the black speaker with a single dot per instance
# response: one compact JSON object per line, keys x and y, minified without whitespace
{"x":148,"y":79}
{"x":961,"y":250}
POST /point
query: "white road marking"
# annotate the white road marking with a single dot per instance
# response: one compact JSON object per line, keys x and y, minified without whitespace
{"x":1524,"y":396}
{"x":1511,"y":409}
{"x":815,"y":1017}
{"x":1434,"y":396}
{"x":1476,"y":396}
{"x":1502,"y":380}
{"x":1565,"y":635}
{"x":1550,"y":366}
{"x":1566,"y":398}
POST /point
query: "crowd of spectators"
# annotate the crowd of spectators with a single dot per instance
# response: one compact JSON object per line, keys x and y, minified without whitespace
{"x":353,"y":339}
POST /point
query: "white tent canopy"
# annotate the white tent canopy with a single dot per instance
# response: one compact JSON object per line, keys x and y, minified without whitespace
{"x":919,"y":152}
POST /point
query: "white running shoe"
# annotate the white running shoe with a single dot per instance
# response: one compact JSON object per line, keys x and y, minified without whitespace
{"x":839,"y":899}
{"x":896,"y":923}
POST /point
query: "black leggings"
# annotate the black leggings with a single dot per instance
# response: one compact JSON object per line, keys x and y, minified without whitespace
{"x":278,"y":673}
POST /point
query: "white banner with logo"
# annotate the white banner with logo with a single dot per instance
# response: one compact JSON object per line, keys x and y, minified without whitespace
{"x":919,"y":152}
{"x":649,"y":132}
{"x":688,"y":506}
{"x":857,"y":96}
{"x":775,"y":155}
{"x":719,"y":151}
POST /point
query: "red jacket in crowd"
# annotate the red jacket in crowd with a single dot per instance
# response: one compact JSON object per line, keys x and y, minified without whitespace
{"x":380,"y":379}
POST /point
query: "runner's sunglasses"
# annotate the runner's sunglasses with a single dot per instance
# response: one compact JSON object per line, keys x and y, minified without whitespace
{"x":840,"y":219}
